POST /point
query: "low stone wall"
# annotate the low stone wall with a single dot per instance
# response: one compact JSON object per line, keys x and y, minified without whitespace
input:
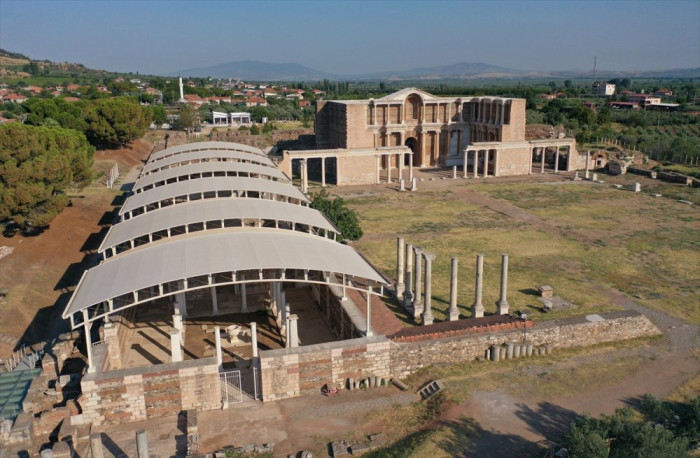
{"x":408,"y":357}
{"x":149,"y":392}
{"x":290,"y":372}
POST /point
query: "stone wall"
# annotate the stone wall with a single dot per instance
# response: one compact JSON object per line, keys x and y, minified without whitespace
{"x":514,"y":161}
{"x":357,"y":170}
{"x":149,"y":392}
{"x":289,"y":372}
{"x":408,"y":357}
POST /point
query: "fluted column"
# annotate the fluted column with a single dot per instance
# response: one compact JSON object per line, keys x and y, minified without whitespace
{"x":428,"y":313}
{"x":418,"y":303}
{"x":400,"y":286}
{"x":502,"y":303}
{"x":478,"y":307}
{"x":408,"y":290}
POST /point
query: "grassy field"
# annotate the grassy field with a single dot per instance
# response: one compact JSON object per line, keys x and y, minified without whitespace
{"x":582,"y":239}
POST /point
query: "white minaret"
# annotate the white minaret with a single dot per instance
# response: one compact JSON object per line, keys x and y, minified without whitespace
{"x":182,"y":92}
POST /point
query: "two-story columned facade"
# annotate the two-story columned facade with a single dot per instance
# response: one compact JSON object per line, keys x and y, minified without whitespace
{"x":436,"y":129}
{"x":361,"y":141}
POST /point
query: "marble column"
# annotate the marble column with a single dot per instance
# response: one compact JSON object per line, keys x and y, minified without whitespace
{"x":478,"y":307}
{"x":217,"y":343}
{"x":175,"y":346}
{"x":502,"y":304}
{"x":418,"y":302}
{"x":410,"y":167}
{"x":556,"y":161}
{"x":87,"y":325}
{"x":293,"y":331}
{"x":428,"y":313}
{"x":464,"y":171}
{"x":369,"y":332}
{"x":588,"y":163}
{"x":254,"y":339}
{"x":400,"y":158}
{"x":400,"y":286}
{"x":408,"y":276}
{"x":476,"y":163}
{"x":453,"y":312}
{"x":486,"y":163}
{"x":544,"y":154}
{"x":323,"y":172}
{"x":304,"y":176}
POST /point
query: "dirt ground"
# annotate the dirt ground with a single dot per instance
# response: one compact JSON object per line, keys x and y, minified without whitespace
{"x":42,"y":269}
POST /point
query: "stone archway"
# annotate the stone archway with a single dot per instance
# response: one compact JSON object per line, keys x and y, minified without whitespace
{"x":412,"y":144}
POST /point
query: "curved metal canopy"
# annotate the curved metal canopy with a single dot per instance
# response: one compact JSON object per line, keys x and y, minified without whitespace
{"x":208,"y":254}
{"x":201,"y":146}
{"x":211,"y":210}
{"x":208,"y":167}
{"x":212,"y":184}
{"x":206,"y":156}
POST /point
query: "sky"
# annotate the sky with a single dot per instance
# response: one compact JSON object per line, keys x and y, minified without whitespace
{"x":355,"y":37}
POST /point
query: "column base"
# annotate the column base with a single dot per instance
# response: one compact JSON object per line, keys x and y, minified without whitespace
{"x":454,"y":315}
{"x":400,"y":288}
{"x":417,"y":310}
{"x":502,"y":307}
{"x":427,"y":318}
{"x":477,"y":311}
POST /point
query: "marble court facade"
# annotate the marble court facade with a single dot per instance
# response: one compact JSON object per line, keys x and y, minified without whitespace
{"x":363,"y":141}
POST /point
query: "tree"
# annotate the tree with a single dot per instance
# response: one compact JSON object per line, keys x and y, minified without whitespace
{"x":666,"y":430}
{"x":37,"y":164}
{"x":159,"y":115}
{"x":115,"y":122}
{"x":337,"y":212}
{"x":188,"y":118}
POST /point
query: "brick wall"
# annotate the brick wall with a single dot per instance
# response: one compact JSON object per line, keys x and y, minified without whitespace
{"x":443,"y":348}
{"x":290,"y":372}
{"x":148,"y":392}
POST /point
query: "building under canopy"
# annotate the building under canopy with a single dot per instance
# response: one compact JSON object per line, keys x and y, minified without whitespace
{"x":206,"y":225}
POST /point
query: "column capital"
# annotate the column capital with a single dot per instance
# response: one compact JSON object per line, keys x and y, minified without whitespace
{"x":418,"y":249}
{"x":429,"y":256}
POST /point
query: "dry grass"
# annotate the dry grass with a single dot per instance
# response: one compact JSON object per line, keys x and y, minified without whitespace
{"x":581,"y":239}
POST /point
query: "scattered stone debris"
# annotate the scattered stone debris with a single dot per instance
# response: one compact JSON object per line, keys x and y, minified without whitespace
{"x":687,"y":202}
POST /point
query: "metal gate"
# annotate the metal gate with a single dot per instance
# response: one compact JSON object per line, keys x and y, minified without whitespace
{"x":231,"y":392}
{"x":240,"y":385}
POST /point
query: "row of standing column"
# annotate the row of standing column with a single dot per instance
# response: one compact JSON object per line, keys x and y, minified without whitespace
{"x":421,"y":304}
{"x":400,"y":159}
{"x":476,"y":163}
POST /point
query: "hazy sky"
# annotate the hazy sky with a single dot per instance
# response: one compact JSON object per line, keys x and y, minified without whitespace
{"x":347,"y":37}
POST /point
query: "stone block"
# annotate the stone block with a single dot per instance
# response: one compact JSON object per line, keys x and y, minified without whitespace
{"x":339,"y":448}
{"x":359,"y":448}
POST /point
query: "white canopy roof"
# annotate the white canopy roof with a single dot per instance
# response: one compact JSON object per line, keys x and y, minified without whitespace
{"x":201,"y":146}
{"x":207,"y":167}
{"x":183,"y":188}
{"x":208,"y":156}
{"x":213,"y":253}
{"x":209,"y":210}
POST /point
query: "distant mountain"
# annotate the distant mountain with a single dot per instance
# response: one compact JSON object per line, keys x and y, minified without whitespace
{"x":460,"y":70}
{"x":259,"y":71}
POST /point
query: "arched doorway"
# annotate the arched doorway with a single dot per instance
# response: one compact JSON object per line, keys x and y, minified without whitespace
{"x":412,"y":144}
